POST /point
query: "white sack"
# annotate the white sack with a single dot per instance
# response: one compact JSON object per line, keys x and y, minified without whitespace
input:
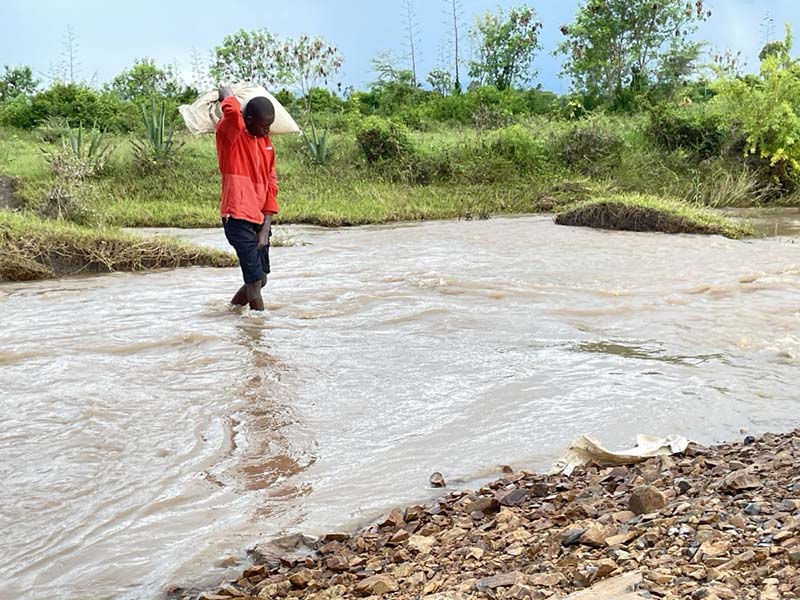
{"x":203,"y":116}
{"x":584,"y":450}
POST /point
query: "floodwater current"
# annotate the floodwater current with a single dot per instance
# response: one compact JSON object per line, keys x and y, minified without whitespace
{"x":150,"y":434}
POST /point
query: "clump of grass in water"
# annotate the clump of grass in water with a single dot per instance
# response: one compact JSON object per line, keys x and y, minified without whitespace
{"x":34,"y":248}
{"x":649,"y":213}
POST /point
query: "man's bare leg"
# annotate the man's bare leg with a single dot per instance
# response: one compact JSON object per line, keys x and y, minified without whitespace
{"x":250,"y":294}
{"x":240,"y":298}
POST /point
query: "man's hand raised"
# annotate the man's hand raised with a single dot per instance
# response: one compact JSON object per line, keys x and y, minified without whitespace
{"x":224,"y":92}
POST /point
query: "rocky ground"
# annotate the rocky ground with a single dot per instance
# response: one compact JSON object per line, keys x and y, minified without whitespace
{"x":714,"y":523}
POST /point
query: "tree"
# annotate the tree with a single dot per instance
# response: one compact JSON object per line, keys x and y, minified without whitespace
{"x":766,"y":109}
{"x":15,"y":82}
{"x":441,"y":81}
{"x":250,"y":56}
{"x":386,"y":67}
{"x":145,"y":80}
{"x":395,"y":86}
{"x":307,"y":62}
{"x":677,"y":67}
{"x":412,"y":35}
{"x":781,"y":50}
{"x":506,"y":44}
{"x":614,"y":47}
{"x":453,"y":13}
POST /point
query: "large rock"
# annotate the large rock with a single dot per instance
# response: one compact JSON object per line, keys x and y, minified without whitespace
{"x":394,"y":519}
{"x":483,"y":505}
{"x":377,"y":585}
{"x":437,"y":480}
{"x":514,"y":498}
{"x":619,"y":588}
{"x":595,"y":536}
{"x":548,"y":580}
{"x":571,"y":537}
{"x":502,"y":580}
{"x":742,"y":480}
{"x":421,"y":544}
{"x":302,"y":578}
{"x":647,"y":499}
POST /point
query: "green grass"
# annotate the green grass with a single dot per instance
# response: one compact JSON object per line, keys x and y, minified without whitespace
{"x":456,"y":173}
{"x":343,"y":193}
{"x":35,"y":248}
{"x":633,"y":212}
{"x":20,"y":154}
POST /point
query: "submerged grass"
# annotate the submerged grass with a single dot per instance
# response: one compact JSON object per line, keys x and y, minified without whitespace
{"x":34,"y":248}
{"x":633,"y":212}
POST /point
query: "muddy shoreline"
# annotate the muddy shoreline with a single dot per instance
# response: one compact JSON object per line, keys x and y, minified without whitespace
{"x":713,"y":523}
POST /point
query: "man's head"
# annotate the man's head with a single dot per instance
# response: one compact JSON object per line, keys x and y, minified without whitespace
{"x":259,"y":115}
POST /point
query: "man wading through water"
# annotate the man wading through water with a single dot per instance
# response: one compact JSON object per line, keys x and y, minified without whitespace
{"x":249,"y":189}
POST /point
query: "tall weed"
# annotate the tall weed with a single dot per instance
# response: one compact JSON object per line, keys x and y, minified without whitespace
{"x":82,"y":154}
{"x":157,"y":149}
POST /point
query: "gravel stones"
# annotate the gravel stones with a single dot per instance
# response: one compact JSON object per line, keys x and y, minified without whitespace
{"x":691,"y":527}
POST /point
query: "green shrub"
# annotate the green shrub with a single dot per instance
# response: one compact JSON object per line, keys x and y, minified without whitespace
{"x":592,"y":149}
{"x":115,"y":114}
{"x":286,"y":98}
{"x":337,"y":122}
{"x":538,"y":102}
{"x":518,"y":146}
{"x":696,"y":129}
{"x":766,"y":108}
{"x":317,"y":147}
{"x":490,"y":117}
{"x":81,"y":104}
{"x":432,"y":167}
{"x":449,"y":109}
{"x":17,"y":113}
{"x":157,"y":149}
{"x":80,"y":155}
{"x":414,"y":118}
{"x":323,"y":100}
{"x":383,"y":140}
{"x":77,"y":103}
{"x":52,"y":129}
{"x":463,"y":108}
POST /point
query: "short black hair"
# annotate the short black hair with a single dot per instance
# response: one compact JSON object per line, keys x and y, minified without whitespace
{"x":260,"y":109}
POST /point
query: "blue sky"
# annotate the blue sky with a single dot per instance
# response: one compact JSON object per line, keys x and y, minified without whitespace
{"x":111,"y":35}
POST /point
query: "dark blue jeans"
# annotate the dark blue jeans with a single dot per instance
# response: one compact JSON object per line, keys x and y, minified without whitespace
{"x":243,"y":236}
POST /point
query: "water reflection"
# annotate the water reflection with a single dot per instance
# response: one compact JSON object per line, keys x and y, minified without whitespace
{"x":275,"y":443}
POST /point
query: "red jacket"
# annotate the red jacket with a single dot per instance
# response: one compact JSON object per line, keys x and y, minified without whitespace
{"x":247,"y":166}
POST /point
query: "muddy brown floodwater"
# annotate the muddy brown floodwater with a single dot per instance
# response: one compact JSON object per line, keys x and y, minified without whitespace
{"x":150,"y":434}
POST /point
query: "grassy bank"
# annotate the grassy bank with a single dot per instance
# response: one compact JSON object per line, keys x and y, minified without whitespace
{"x":448,"y":173}
{"x":32,"y":248}
{"x":341,"y":193}
{"x":649,"y":213}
